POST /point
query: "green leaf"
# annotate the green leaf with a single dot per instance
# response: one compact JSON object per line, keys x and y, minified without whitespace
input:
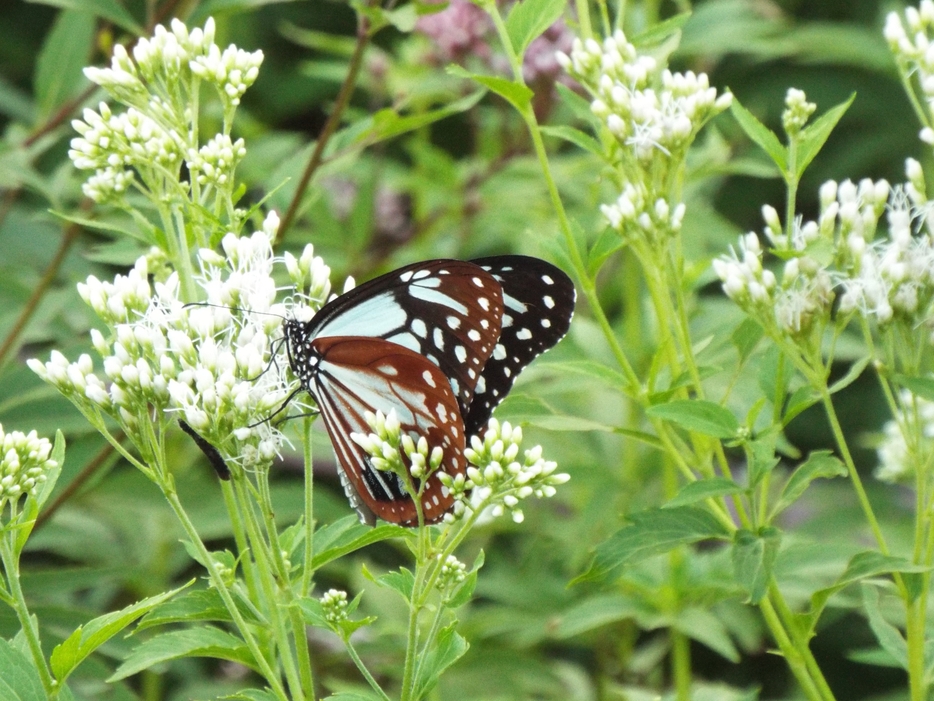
{"x":87,"y":638}
{"x":922,"y":387}
{"x":654,"y":532}
{"x":401,"y":581}
{"x":820,"y":464}
{"x":762,"y":457}
{"x":388,"y":123}
{"x":205,"y":641}
{"x":802,"y":398}
{"x":66,"y":50}
{"x":517,"y":94}
{"x":694,"y":492}
{"x":19,"y":679}
{"x":107,"y":9}
{"x":463,"y":593}
{"x":746,"y":337}
{"x":856,"y":369}
{"x":530,"y":18}
{"x":354,"y":696}
{"x":448,"y":649}
{"x":753,"y":556}
{"x":861,"y":566}
{"x":661,"y":31}
{"x":595,"y":612}
{"x":887,"y":635}
{"x":521,"y":408}
{"x":597,"y":371}
{"x":760,"y":134}
{"x":579,"y":107}
{"x":349,"y":535}
{"x":608,"y":242}
{"x":812,"y":138}
{"x":252,"y":695}
{"x":698,"y":415}
{"x":575,"y":136}
{"x":706,"y":628}
{"x":402,"y":18}
{"x":200,"y":605}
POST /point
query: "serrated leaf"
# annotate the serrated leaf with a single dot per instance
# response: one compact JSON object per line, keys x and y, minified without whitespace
{"x":861,"y":566}
{"x":66,"y":49}
{"x":698,"y":415}
{"x":746,"y":337}
{"x":654,"y":532}
{"x":87,"y":638}
{"x":351,"y":539}
{"x":753,"y":555}
{"x":19,"y":680}
{"x":760,"y":134}
{"x":448,"y":648}
{"x":201,"y":605}
{"x":205,"y":641}
{"x":812,"y":138}
{"x":517,"y":94}
{"x":693,"y":492}
{"x":887,"y":635}
{"x":106,"y":9}
{"x":820,"y":464}
{"x":401,"y":581}
{"x":575,"y":136}
{"x":530,"y":18}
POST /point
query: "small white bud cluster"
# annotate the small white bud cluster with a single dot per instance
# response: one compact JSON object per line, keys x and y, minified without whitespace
{"x":334,"y":602}
{"x":496,"y":480}
{"x":631,"y":212}
{"x":215,"y":162}
{"x":310,"y":276}
{"x":453,"y":572}
{"x":646,"y":120}
{"x":209,"y":363}
{"x":914,"y":52}
{"x":797,"y":111}
{"x":896,"y":463}
{"x":387,"y":445}
{"x":24,"y":465}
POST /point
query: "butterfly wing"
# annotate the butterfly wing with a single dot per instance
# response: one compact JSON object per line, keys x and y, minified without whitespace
{"x":538,"y":301}
{"x":448,"y":311}
{"x":355,"y":375}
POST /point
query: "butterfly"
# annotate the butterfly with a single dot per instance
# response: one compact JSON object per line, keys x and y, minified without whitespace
{"x":441,"y":342}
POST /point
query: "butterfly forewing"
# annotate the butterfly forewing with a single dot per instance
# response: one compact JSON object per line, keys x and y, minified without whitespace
{"x":538,"y":303}
{"x":448,"y":311}
{"x":354,"y":375}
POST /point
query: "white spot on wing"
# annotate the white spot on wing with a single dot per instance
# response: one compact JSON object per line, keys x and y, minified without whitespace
{"x":454,"y":322}
{"x":499,"y":352}
{"x":547,"y":280}
{"x":546,"y":323}
{"x":549,"y":302}
{"x":461,"y":353}
{"x":418,"y":326}
{"x":523,"y":334}
{"x":473,"y":335}
{"x":429,"y":379}
{"x":484,"y":304}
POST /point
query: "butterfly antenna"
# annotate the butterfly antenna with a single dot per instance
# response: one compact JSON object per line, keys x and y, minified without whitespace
{"x":282,"y":406}
{"x":242,"y":310}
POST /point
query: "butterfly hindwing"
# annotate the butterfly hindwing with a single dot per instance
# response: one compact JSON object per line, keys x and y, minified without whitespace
{"x":448,"y":311}
{"x":355,"y":375}
{"x":538,"y":303}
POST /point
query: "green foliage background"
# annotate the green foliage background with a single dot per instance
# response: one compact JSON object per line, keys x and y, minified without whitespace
{"x":463,"y":187}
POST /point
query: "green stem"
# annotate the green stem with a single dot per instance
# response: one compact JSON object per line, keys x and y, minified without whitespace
{"x":411,"y":637}
{"x":681,"y":664}
{"x":30,"y":629}
{"x":352,"y":651}
{"x":915,"y":639}
{"x":307,"y":568}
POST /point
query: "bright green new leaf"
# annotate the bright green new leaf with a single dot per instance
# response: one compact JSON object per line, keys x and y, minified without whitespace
{"x":517,"y":94}
{"x":575,"y":136}
{"x":205,"y":641}
{"x":698,"y":415}
{"x":598,"y":371}
{"x":66,"y":50}
{"x":761,"y":134}
{"x":812,"y":138}
{"x":693,"y":492}
{"x":820,"y":464}
{"x":19,"y":680}
{"x":530,"y":18}
{"x":401,"y":581}
{"x":87,"y":638}
{"x":388,"y":123}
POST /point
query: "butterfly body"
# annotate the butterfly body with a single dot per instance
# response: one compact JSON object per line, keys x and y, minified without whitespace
{"x":440,"y":342}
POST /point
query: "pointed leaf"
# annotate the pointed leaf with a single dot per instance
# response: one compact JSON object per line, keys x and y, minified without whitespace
{"x":401,"y":581}
{"x":351,"y":537}
{"x":87,"y":638}
{"x":820,"y":464}
{"x":201,"y":605}
{"x":654,"y":532}
{"x":746,"y":337}
{"x":661,"y":31}
{"x":813,"y":137}
{"x":704,"y":627}
{"x":762,"y":458}
{"x":597,"y":371}
{"x":698,"y":415}
{"x":530,"y":18}
{"x":19,"y":679}
{"x":193,"y":642}
{"x":388,"y":123}
{"x":919,"y":386}
{"x":67,"y":48}
{"x":575,"y":136}
{"x":761,"y":134}
{"x":753,"y":556}
{"x":802,"y":398}
{"x":856,"y":369}
{"x":887,"y":635}
{"x":517,"y":94}
{"x":693,"y":492}
{"x":448,"y":649}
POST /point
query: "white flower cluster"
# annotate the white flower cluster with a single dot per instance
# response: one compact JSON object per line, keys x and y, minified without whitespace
{"x":24,"y":464}
{"x":496,"y":481}
{"x":384,"y":444}
{"x":896,"y":463}
{"x":914,"y":51}
{"x":453,"y":572}
{"x":631,"y":210}
{"x":153,"y":135}
{"x":334,"y":602}
{"x":878,"y":278}
{"x":210,"y":363}
{"x":645,"y":111}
